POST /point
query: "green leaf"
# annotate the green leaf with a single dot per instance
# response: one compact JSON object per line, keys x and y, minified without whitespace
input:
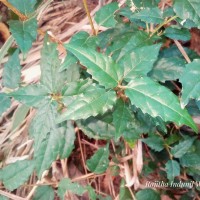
{"x":172,"y":139}
{"x":124,"y":191}
{"x":140,"y":61}
{"x":121,"y":116}
{"x":48,"y":152}
{"x":31,"y":95}
{"x":99,"y":162}
{"x":188,"y":9}
{"x":44,"y":192}
{"x":172,"y":168}
{"x":105,"y":16}
{"x":180,"y":149}
{"x":5,"y":47}
{"x":51,"y":77}
{"x":138,"y":39}
{"x":3,"y":197}
{"x":96,"y":101}
{"x":143,"y":3}
{"x":91,"y":192}
{"x":24,"y":6}
{"x":66,"y":185}
{"x":5,"y":103}
{"x":69,"y":137}
{"x":149,"y":15}
{"x":190,"y":82}
{"x":47,"y":136}
{"x":41,"y":123}
{"x":24,"y":32}
{"x":101,"y":67}
{"x":81,"y":39}
{"x":14,"y":175}
{"x":169,"y":66}
{"x":190,"y":160}
{"x":99,"y":197}
{"x":142,"y":123}
{"x":177,"y":33}
{"x":154,"y":142}
{"x":19,"y":116}
{"x":157,"y":101}
{"x":11,"y":73}
{"x":74,"y":89}
{"x":147,"y":194}
{"x":97,"y":128}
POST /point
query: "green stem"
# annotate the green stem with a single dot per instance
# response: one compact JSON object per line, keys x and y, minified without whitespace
{"x":164,"y":23}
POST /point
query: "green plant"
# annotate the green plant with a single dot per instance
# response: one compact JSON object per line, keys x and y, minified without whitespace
{"x":121,"y":85}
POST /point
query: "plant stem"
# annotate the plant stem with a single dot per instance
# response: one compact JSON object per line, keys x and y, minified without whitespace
{"x":182,"y":50}
{"x":89,"y":17}
{"x":17,"y":12}
{"x":161,"y":25}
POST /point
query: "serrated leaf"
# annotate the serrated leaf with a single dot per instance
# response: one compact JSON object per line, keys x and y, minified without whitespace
{"x":5,"y":103}
{"x":105,"y":16}
{"x":180,"y":149}
{"x":74,"y":89}
{"x":81,"y":39}
{"x":142,"y":123}
{"x":69,"y":138}
{"x":24,"y":6}
{"x":149,"y":15}
{"x":190,"y":160}
{"x":24,"y":32}
{"x":19,"y":116}
{"x":51,"y":77}
{"x":154,"y":142}
{"x":66,"y":185}
{"x":101,"y":67}
{"x":138,"y":39}
{"x":11,"y":72}
{"x":188,"y":9}
{"x":172,"y":168}
{"x":15,"y":174}
{"x":48,"y":152}
{"x":99,"y":162}
{"x":48,"y":138}
{"x":94,"y":102}
{"x":191,"y":88}
{"x":149,"y":194}
{"x":169,"y":66}
{"x":121,"y":116}
{"x":42,"y":123}
{"x":157,"y":101}
{"x":44,"y":192}
{"x":139,"y":62}
{"x":97,"y":128}
{"x":31,"y":95}
{"x":177,"y":33}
